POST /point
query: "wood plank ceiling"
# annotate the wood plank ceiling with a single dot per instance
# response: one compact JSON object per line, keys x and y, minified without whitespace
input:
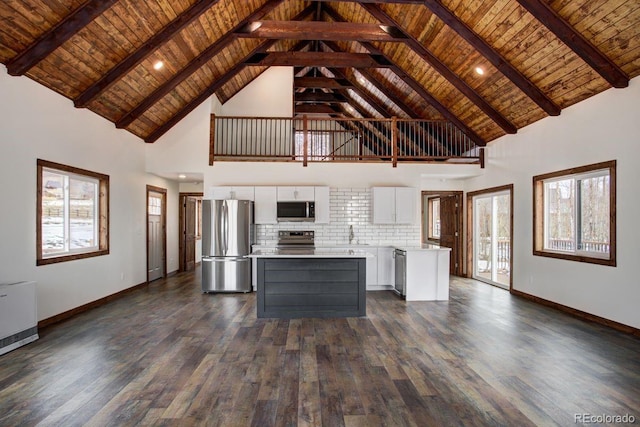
{"x":411,"y":59}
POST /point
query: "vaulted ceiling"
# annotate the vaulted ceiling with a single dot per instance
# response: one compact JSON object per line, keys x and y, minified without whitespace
{"x":410,"y":59}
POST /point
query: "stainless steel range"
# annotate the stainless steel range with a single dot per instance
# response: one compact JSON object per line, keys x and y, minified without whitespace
{"x":296,"y":241}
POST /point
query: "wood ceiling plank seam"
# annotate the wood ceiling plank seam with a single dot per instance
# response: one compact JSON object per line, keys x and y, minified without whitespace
{"x":578,"y":43}
{"x":557,"y":82}
{"x":565,"y":66}
{"x":119,"y":97}
{"x":209,"y":23}
{"x":6,"y":53}
{"x":376,"y":82}
{"x":50,"y":40}
{"x":507,"y":17}
{"x":367,"y":98}
{"x":488,"y":18}
{"x":66,"y":64}
{"x":516,"y":22}
{"x":630,"y":61}
{"x":444,"y":70}
{"x":535,"y":41}
{"x":141,"y":52}
{"x":429,"y":98}
{"x":139,"y":22}
{"x":81,"y":51}
{"x":40,"y":17}
{"x":612,"y":41}
{"x":12,"y":30}
{"x":171,"y":9}
{"x":507,"y":45}
{"x":586,"y":90}
{"x":202,"y":58}
{"x":470,"y":12}
{"x":495,"y":58}
{"x":574,"y":14}
{"x":114,"y":28}
{"x":209,"y":92}
{"x":628,"y":23}
{"x":552,"y":53}
{"x":92,"y":34}
{"x":50,"y":75}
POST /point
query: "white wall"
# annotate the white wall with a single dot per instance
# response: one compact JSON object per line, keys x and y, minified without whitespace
{"x":270,"y":95}
{"x":38,"y":123}
{"x":604,"y":127}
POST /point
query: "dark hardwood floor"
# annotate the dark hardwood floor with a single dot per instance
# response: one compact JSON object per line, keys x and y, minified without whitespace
{"x":169,"y":355}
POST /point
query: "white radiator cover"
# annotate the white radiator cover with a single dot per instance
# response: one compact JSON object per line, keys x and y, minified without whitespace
{"x":18,"y":315}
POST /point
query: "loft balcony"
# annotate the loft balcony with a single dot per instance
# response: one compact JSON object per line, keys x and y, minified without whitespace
{"x":306,"y":139}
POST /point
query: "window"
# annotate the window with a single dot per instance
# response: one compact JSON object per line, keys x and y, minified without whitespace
{"x":318,"y":148}
{"x":434,"y":218}
{"x":72,"y":218}
{"x":574,"y":214}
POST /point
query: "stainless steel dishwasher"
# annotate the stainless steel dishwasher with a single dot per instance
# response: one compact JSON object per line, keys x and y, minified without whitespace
{"x":400,"y":283}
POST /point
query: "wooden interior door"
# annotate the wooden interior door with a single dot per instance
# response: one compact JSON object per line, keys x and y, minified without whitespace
{"x":451,"y":230}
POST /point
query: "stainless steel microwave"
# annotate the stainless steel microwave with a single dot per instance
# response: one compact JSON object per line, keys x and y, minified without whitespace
{"x":296,"y":211}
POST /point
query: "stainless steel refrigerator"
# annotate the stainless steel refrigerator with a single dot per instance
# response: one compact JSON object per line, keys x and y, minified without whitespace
{"x":227,"y":236}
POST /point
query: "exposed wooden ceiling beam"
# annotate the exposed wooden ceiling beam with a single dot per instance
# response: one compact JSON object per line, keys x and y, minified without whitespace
{"x":314,"y":109}
{"x":590,"y":54}
{"x":373,"y":1}
{"x":320,"y":83}
{"x":371,"y":100}
{"x":221,"y":81}
{"x":421,"y":91}
{"x":320,"y":30}
{"x":508,"y":70}
{"x":362,"y":93}
{"x":195,"y":65}
{"x":56,"y":36}
{"x":444,"y":71}
{"x":318,"y":59}
{"x":142,"y":52}
{"x":164,"y":128}
{"x":319,"y":97}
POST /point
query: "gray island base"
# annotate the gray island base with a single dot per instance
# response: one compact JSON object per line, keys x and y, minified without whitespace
{"x":296,"y":287}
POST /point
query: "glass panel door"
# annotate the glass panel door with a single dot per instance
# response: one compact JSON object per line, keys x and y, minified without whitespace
{"x":492,"y":238}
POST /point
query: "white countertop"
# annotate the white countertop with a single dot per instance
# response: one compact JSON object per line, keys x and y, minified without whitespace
{"x":424,"y":247}
{"x":309,"y":253}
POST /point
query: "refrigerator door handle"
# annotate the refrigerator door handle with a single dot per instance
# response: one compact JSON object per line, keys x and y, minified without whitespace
{"x":226,"y":228}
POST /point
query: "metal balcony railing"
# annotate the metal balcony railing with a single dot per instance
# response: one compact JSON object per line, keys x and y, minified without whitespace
{"x":339,"y":140}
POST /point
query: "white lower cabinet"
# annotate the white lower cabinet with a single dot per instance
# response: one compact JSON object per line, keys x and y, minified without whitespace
{"x":386,"y":266}
{"x":372,"y":267}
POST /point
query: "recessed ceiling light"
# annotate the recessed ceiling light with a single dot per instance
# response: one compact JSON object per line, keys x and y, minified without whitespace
{"x":158,"y":65}
{"x":182,"y":176}
{"x":479,"y":71}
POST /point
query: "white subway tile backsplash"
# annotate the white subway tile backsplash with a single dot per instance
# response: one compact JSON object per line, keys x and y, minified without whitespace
{"x":349,"y":206}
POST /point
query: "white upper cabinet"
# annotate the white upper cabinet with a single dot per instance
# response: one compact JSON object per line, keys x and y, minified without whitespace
{"x":265,"y":210}
{"x":303,"y":194}
{"x":384,"y":206}
{"x":322,"y":205}
{"x":406,"y":199}
{"x":232,"y":193}
{"x":394,"y":205}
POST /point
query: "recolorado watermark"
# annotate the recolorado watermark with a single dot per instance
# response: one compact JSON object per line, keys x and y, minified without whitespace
{"x":604,"y":418}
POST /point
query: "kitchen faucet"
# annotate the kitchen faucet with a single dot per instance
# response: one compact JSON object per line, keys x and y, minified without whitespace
{"x":351,"y":235}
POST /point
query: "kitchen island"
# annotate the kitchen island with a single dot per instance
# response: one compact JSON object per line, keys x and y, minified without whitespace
{"x":310,"y":283}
